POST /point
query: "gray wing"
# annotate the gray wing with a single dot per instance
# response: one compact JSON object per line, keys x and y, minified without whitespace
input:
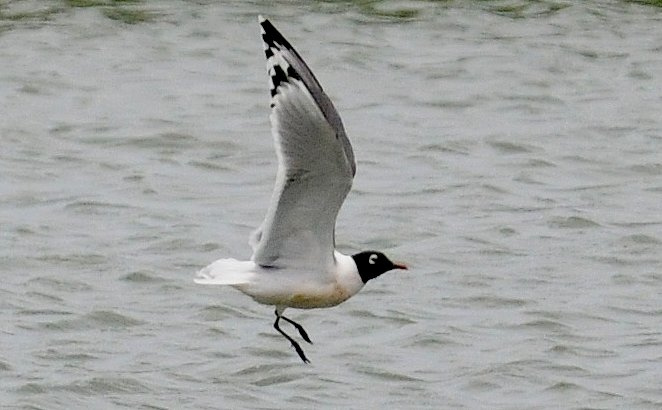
{"x":315,"y":164}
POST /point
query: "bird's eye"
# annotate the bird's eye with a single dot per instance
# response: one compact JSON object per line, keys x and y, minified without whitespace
{"x":372,"y":259}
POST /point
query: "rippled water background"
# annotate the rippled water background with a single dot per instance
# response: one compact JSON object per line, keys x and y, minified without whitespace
{"x":509,"y":151}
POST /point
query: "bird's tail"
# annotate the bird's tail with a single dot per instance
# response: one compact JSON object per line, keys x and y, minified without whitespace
{"x":226,"y":272}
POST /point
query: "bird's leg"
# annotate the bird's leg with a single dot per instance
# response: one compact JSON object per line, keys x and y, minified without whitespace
{"x":292,"y":341}
{"x":300,"y":328}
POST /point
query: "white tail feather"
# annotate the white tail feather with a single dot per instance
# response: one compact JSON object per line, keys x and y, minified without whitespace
{"x":226,"y":272}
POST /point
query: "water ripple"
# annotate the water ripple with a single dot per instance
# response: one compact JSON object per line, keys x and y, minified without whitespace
{"x":94,"y":320}
{"x":508,"y":151}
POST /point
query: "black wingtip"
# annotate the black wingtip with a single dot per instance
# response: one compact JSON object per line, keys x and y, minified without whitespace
{"x":271,"y":36}
{"x":279,"y":69}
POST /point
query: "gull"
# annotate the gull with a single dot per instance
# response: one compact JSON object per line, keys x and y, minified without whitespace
{"x":295,"y":263}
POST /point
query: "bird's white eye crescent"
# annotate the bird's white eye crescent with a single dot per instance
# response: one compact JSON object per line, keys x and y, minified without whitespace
{"x":372,"y":259}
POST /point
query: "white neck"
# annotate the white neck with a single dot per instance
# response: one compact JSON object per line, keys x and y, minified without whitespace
{"x":347,"y":274}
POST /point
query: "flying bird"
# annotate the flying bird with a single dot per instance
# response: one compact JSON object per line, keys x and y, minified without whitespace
{"x":295,"y":263}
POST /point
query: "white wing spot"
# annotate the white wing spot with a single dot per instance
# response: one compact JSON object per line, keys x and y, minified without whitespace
{"x":372,"y":259}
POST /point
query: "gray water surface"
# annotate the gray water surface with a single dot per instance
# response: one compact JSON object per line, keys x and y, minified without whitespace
{"x":509,"y":152}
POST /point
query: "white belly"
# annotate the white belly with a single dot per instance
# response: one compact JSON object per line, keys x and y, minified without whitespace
{"x":306,"y":291}
{"x":301,"y":298}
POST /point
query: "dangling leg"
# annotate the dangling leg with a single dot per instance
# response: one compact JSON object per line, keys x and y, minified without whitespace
{"x":292,"y":341}
{"x":302,"y":332}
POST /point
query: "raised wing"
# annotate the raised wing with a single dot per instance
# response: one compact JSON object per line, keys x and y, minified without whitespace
{"x":315,"y":165}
